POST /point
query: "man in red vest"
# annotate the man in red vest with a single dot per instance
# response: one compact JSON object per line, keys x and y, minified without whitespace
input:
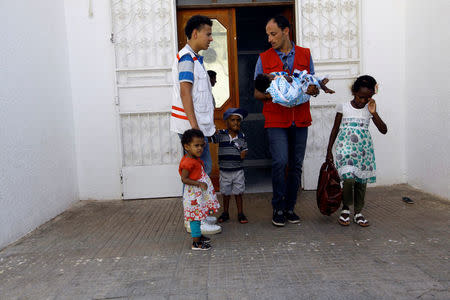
{"x":287,"y":128}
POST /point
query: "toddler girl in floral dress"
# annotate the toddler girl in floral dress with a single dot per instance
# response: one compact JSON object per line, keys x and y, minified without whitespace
{"x":199,"y":197}
{"x":355,"y":158}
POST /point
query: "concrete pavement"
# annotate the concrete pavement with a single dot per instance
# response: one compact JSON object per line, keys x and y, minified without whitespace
{"x":139,"y":250}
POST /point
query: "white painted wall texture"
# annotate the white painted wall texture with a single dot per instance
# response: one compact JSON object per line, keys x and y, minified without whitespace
{"x":96,"y":126}
{"x":427,"y":102}
{"x":37,"y":158}
{"x":383,"y":57}
{"x":92,"y":68}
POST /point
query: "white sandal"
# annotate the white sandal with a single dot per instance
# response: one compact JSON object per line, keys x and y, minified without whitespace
{"x":360,"y":220}
{"x":344,"y":221}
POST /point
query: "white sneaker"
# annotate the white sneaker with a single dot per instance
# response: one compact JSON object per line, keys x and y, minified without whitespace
{"x":205,"y":228}
{"x":211,"y":220}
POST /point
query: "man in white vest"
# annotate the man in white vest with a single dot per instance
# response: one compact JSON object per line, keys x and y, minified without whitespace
{"x":193,"y":101}
{"x":192,"y":105}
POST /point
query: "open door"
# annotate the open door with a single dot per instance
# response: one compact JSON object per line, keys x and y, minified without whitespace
{"x":145,"y":46}
{"x":220,"y":57}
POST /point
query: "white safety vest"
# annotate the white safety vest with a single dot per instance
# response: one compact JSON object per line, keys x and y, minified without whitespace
{"x":201,"y":96}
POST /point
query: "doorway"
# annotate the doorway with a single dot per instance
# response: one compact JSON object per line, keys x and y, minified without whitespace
{"x":246,"y":40}
{"x":251,"y":41}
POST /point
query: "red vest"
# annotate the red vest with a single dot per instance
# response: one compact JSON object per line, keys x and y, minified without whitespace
{"x":275,"y":114}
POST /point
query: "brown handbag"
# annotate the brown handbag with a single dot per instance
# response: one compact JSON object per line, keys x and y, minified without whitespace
{"x":329,"y":191}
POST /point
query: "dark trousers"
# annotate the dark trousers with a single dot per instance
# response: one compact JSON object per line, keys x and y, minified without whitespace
{"x":287,"y":146}
{"x":354,"y":193}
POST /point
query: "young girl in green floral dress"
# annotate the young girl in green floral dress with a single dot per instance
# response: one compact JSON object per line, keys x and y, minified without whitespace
{"x":355,"y":158}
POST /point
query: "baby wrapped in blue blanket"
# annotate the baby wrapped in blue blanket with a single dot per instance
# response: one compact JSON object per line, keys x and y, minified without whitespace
{"x":288,"y":90}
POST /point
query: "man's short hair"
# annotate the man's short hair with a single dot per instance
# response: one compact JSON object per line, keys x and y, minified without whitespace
{"x":281,"y":21}
{"x":196,"y":22}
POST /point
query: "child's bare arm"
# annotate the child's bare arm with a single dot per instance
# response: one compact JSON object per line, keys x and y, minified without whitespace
{"x":333,"y":135}
{"x":324,"y":87}
{"x":186,"y":180}
{"x":243,"y":154}
{"x":372,"y":106}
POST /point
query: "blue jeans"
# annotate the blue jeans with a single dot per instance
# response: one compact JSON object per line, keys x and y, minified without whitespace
{"x":206,"y":157}
{"x":287,"y":146}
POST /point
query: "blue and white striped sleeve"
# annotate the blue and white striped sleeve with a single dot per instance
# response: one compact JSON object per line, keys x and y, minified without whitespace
{"x":186,"y":69}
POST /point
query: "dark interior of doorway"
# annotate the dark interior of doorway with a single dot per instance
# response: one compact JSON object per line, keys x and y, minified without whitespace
{"x":252,"y":40}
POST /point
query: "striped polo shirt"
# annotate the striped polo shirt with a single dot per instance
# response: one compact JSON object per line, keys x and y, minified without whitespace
{"x":230,"y":150}
{"x":186,"y":66}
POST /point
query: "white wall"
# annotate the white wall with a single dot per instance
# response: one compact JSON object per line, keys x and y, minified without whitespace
{"x":96,"y":126}
{"x":37,"y":158}
{"x":383,"y":57}
{"x":386,"y":55}
{"x":92,"y":78}
{"x":428,"y":95}
{"x":38,"y":177}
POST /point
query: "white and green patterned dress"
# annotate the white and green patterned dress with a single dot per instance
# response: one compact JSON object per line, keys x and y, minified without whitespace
{"x":355,"y":157}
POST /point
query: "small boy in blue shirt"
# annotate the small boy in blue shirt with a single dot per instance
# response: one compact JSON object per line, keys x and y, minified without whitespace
{"x":232,"y":151}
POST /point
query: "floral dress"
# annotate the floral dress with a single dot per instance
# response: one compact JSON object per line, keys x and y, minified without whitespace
{"x":355,"y":157}
{"x":197,"y":203}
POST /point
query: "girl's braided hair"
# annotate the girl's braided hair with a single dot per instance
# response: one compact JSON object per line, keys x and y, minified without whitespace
{"x":366,"y":81}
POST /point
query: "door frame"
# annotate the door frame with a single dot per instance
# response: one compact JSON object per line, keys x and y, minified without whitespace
{"x":132,"y":181}
{"x":233,"y":79}
{"x":296,"y":28}
{"x":232,"y":55}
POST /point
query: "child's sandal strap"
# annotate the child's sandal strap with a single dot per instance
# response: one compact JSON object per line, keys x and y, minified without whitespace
{"x":345,"y":221}
{"x":360,"y":220}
